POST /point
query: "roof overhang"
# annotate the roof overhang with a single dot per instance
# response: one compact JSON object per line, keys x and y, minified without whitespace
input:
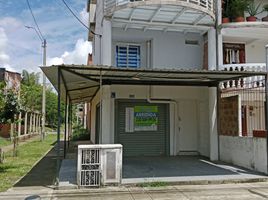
{"x":81,"y":83}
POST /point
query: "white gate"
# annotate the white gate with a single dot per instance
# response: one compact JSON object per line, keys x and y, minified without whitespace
{"x":99,"y":165}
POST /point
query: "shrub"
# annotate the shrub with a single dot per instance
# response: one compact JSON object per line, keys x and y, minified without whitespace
{"x":80,"y":133}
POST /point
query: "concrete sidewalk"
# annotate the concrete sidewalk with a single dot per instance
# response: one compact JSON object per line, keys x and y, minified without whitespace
{"x":246,"y":191}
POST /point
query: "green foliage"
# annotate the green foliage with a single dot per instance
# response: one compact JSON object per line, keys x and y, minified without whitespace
{"x":253,"y":9}
{"x":11,"y":107}
{"x":237,"y":7}
{"x":52,"y":109}
{"x":265,"y":7}
{"x":4,"y":142}
{"x":79,"y":133}
{"x":31,"y":97}
{"x":29,"y":78}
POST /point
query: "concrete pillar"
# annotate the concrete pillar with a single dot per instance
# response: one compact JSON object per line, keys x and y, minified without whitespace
{"x":106,"y":134}
{"x":212,"y":65}
{"x":30,"y":125}
{"x":34,"y":122}
{"x":39,"y":124}
{"x":106,"y":43}
{"x":19,"y":125}
{"x":25,"y":123}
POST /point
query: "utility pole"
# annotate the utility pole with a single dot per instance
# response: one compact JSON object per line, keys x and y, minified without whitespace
{"x":44,"y":90}
{"x":44,"y":46}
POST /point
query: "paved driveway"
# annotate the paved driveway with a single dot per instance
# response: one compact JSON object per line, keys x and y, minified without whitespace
{"x":181,"y":169}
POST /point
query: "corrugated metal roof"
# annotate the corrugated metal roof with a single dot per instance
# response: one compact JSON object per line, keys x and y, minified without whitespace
{"x":81,"y":83}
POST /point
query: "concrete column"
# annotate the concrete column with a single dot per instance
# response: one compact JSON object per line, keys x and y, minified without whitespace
{"x":19,"y":125}
{"x":34,"y":123}
{"x":30,"y":125}
{"x":213,"y":129}
{"x":106,"y":135}
{"x":39,"y":124}
{"x":25,"y":123}
{"x":106,"y":43}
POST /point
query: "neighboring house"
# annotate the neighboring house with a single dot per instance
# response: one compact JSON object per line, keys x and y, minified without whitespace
{"x":13,"y":82}
{"x":177,"y":120}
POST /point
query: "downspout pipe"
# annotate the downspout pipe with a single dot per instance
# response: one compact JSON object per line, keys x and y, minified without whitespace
{"x":165,"y":101}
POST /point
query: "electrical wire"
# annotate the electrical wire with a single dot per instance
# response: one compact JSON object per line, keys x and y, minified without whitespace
{"x":39,"y":31}
{"x":78,"y":19}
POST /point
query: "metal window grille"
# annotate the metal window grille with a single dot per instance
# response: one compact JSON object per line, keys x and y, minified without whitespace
{"x":90,"y":168}
{"x":99,"y":165}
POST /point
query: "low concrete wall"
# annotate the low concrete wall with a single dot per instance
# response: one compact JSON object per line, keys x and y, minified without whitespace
{"x":248,"y":152}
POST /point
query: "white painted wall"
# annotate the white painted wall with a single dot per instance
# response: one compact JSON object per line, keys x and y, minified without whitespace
{"x":248,"y":152}
{"x":168,"y":49}
{"x":196,"y":94}
{"x":255,"y":52}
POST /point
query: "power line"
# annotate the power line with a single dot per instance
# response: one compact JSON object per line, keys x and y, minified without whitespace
{"x":74,"y":14}
{"x":65,"y":3}
{"x":39,"y":31}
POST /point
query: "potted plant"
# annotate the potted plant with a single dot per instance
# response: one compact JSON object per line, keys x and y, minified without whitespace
{"x":253,"y":10}
{"x":237,"y":9}
{"x":225,"y":12}
{"x":265,"y":8}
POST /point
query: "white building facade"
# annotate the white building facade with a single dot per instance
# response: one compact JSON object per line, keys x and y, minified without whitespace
{"x":169,"y":120}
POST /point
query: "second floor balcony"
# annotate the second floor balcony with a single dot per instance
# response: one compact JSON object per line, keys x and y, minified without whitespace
{"x":161,"y":14}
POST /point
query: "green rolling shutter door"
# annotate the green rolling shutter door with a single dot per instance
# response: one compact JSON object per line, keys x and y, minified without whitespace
{"x":143,"y":143}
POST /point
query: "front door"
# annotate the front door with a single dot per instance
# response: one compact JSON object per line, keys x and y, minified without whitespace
{"x":188,"y":137}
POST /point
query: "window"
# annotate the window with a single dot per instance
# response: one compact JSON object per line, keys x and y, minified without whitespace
{"x":233,"y":53}
{"x":128,"y":56}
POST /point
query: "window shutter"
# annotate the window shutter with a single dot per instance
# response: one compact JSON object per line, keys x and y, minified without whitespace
{"x":128,"y":56}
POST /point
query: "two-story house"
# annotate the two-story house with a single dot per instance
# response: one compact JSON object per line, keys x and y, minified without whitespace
{"x":166,"y":35}
{"x":157,"y":76}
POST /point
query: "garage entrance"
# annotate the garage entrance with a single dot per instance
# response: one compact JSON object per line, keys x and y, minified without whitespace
{"x":142,"y":128}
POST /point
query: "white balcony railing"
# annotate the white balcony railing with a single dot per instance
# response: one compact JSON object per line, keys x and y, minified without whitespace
{"x":251,"y":82}
{"x":207,"y":4}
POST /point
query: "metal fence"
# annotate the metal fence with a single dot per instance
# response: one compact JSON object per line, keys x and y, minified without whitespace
{"x":245,"y":114}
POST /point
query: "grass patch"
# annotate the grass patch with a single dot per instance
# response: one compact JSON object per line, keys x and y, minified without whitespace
{"x":4,"y":142}
{"x":14,"y":168}
{"x":153,"y":184}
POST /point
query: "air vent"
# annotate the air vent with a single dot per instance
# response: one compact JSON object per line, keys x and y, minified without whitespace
{"x":192,"y":42}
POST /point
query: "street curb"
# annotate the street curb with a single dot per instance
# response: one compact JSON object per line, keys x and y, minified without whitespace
{"x":176,"y":183}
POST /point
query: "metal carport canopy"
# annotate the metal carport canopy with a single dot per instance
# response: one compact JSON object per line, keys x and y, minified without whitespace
{"x":81,"y":82}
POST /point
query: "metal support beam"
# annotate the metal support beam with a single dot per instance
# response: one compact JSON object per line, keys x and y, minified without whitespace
{"x":129,"y":19}
{"x":266,"y":103}
{"x":65,"y":123}
{"x":152,"y":18}
{"x":69,"y":122}
{"x":266,"y":118}
{"x":198,"y":19}
{"x":100,"y":134}
{"x":59,"y":125}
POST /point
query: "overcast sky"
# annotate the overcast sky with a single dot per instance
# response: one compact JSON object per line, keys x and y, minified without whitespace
{"x":20,"y":48}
